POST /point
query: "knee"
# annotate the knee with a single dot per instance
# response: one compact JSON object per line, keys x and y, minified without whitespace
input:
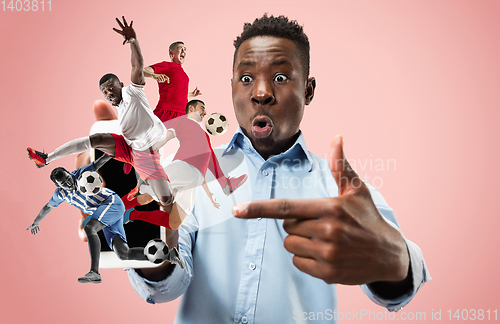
{"x":167,"y":200}
{"x":96,"y":139}
{"x":121,"y":249}
{"x":90,"y":229}
{"x":174,"y":223}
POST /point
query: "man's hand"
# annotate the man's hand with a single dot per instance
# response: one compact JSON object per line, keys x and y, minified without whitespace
{"x":34,"y":228}
{"x":214,"y":202}
{"x":195,"y":93}
{"x":342,"y":239}
{"x":161,"y":78}
{"x":126,"y":31}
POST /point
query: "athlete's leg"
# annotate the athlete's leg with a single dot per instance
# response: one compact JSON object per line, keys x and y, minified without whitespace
{"x":162,"y":191}
{"x":91,"y":229}
{"x":124,"y":252}
{"x":156,"y":217}
{"x":103,"y":142}
{"x":177,"y":217}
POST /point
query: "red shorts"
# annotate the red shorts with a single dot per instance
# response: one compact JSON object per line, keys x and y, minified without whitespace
{"x":146,"y":164}
{"x":165,"y":114}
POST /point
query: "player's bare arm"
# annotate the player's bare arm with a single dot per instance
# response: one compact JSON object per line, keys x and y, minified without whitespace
{"x":210,"y":195}
{"x":34,"y":227}
{"x":128,"y":33}
{"x":343,"y":239}
{"x":150,"y":73}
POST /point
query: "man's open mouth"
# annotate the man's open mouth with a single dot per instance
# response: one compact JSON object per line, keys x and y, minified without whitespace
{"x":262,"y":126}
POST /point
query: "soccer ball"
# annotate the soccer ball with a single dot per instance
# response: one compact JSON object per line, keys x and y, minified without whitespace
{"x":89,"y":183}
{"x":156,"y":251}
{"x":216,"y":124}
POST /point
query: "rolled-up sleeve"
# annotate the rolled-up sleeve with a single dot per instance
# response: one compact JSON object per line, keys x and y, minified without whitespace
{"x":178,"y":281}
{"x":420,"y":276}
{"x":418,"y":267}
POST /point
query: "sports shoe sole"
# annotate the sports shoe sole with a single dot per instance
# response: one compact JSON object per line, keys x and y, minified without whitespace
{"x":37,"y":165}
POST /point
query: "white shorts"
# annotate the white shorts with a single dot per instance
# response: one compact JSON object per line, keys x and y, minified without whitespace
{"x":184,"y":180}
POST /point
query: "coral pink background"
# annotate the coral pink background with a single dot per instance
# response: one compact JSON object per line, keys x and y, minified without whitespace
{"x":412,"y":85}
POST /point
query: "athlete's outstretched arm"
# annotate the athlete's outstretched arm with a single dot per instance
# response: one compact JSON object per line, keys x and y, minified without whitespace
{"x":210,"y":195}
{"x":43,"y":212}
{"x":149,"y":72}
{"x":101,"y":161}
{"x":137,"y":75}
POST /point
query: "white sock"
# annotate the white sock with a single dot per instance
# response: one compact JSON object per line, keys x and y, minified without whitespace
{"x":72,"y":147}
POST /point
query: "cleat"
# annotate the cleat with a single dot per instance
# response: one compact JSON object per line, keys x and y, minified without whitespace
{"x":175,"y":258}
{"x":38,"y":157}
{"x":234,"y":183}
{"x":91,"y":276}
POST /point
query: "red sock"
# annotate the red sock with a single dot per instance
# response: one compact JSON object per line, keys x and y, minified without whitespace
{"x":129,"y":204}
{"x":157,"y":217}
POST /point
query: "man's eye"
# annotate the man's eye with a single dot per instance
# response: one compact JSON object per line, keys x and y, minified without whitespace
{"x":246,"y":79}
{"x":280,"y":78}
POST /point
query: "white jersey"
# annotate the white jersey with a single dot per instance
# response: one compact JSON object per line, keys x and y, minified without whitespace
{"x":140,"y":127}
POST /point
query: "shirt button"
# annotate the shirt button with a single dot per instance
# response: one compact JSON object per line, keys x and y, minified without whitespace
{"x":244,"y":320}
{"x":265,"y":173}
{"x":252,"y":266}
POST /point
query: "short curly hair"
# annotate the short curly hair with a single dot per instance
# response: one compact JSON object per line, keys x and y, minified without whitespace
{"x":279,"y":26}
{"x":106,"y":77}
{"x":56,"y":174}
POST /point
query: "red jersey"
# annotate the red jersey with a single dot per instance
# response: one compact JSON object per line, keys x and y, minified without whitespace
{"x":173,"y":95}
{"x":194,"y":145}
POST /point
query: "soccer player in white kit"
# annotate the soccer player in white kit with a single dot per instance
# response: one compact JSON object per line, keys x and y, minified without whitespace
{"x":143,"y":132}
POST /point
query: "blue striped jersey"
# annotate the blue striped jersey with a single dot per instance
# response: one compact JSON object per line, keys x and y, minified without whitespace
{"x":87,"y":204}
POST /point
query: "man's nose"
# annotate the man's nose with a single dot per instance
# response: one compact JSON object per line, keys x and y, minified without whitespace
{"x":263,"y":93}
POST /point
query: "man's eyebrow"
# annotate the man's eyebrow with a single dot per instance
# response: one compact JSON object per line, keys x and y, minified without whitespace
{"x":246,"y":63}
{"x":282,"y":62}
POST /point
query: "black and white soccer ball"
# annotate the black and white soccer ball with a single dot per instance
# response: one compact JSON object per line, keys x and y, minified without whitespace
{"x":89,"y":183}
{"x":156,"y":251}
{"x":216,"y":124}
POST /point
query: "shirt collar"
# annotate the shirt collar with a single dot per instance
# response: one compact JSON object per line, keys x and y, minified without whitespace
{"x":298,"y":149}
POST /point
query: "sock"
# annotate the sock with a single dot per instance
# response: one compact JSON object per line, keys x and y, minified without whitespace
{"x":72,"y":147}
{"x":157,"y":217}
{"x":129,"y":204}
{"x":94,"y":249}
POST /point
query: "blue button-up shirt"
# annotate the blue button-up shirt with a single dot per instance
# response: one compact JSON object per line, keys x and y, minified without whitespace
{"x":238,"y":271}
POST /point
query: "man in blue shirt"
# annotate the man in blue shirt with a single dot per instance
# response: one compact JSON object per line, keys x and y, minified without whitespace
{"x":277,"y":261}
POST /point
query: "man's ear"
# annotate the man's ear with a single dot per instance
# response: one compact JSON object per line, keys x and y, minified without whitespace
{"x":121,"y":83}
{"x":171,"y":54}
{"x":310,"y":87}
